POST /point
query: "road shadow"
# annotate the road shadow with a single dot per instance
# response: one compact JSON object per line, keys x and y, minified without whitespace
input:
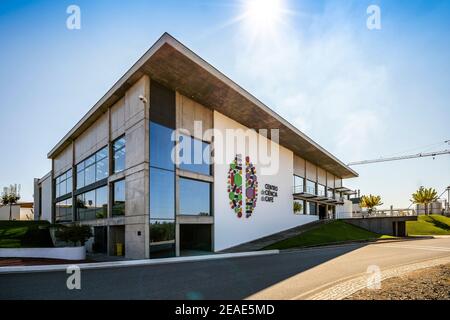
{"x":234,"y":278}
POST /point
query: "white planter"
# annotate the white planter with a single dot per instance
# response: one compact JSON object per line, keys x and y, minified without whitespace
{"x":67,"y":253}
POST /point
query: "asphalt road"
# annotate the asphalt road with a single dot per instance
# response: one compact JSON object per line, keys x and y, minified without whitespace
{"x":288,"y":275}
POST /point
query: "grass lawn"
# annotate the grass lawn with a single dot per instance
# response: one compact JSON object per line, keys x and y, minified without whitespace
{"x":429,"y":225}
{"x":331,"y":232}
{"x":25,"y":234}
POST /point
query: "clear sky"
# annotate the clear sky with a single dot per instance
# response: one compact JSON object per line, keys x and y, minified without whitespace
{"x":359,"y":93}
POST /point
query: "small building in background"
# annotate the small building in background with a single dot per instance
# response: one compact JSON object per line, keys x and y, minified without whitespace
{"x":21,"y":211}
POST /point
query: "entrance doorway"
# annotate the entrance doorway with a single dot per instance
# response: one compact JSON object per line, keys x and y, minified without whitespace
{"x":100,"y":244}
{"x":322,"y":212}
{"x":195,"y":239}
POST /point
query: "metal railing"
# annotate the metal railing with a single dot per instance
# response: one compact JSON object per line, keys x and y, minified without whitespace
{"x":377,"y":214}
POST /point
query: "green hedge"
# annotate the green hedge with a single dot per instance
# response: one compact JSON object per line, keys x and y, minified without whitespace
{"x":25,"y":234}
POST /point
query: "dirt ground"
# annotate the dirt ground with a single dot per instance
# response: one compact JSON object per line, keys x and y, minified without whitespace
{"x":13,"y":262}
{"x":425,"y":284}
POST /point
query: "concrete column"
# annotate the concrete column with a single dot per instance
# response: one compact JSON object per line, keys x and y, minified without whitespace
{"x":137,"y":203}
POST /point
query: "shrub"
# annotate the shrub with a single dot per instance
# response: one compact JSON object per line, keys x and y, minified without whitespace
{"x":74,"y":234}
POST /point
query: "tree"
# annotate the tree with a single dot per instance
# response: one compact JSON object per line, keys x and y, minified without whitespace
{"x":10,"y":196}
{"x":370,"y":202}
{"x":297,"y":207}
{"x":424,"y":196}
{"x":74,"y":234}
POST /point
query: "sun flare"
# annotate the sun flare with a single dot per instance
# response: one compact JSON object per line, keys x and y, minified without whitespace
{"x":264,"y":15}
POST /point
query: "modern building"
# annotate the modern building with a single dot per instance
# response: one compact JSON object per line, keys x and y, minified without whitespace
{"x":155,"y":164}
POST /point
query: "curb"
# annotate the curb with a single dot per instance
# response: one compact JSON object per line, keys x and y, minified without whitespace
{"x":133,"y":263}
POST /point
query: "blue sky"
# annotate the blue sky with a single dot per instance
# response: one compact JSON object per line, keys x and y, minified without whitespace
{"x":359,"y":93}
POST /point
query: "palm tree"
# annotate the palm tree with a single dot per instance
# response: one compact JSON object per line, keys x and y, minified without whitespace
{"x":10,"y":196}
{"x":424,"y":196}
{"x":370,"y":202}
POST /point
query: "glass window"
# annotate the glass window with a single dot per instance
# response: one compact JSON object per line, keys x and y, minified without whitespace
{"x":320,"y":190}
{"x":102,"y":154}
{"x":63,"y":184}
{"x":89,"y":161}
{"x":93,"y":204}
{"x":195,"y":197}
{"x":80,"y":175}
{"x":89,"y":175}
{"x":102,"y":169}
{"x":330,"y":193}
{"x":162,"y":238}
{"x":298,"y":184}
{"x":195,"y":155}
{"x":118,"y":208}
{"x":94,"y":168}
{"x":162,"y":194}
{"x":299,"y":208}
{"x":63,"y":211}
{"x":311,"y":208}
{"x":161,"y":147}
{"x":119,"y":155}
{"x":101,"y":202}
{"x":310,"y":187}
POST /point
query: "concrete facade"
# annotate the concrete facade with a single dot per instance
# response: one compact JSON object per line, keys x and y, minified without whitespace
{"x":125,"y":112}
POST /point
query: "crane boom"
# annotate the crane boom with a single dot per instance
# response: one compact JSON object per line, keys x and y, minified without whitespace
{"x":411,"y":156}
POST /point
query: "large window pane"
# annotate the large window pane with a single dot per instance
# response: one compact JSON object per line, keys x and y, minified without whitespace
{"x":298,"y":184}
{"x":195,"y":155}
{"x":195,"y":197}
{"x":86,"y":206}
{"x":101,"y":202}
{"x":89,"y":175}
{"x":102,"y":169}
{"x":102,"y":154}
{"x":310,"y":187}
{"x":63,"y":212}
{"x":161,"y":147}
{"x":69,"y":184}
{"x":118,"y":208}
{"x":119,"y":155}
{"x":63,"y":184}
{"x":162,"y":238}
{"x":320,"y":190}
{"x":311,"y":208}
{"x":162,"y":194}
{"x":94,"y":168}
{"x":300,"y":206}
{"x":80,"y":179}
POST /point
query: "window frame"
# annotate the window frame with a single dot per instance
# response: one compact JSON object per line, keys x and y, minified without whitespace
{"x":114,"y":151}
{"x":86,"y":163}
{"x":58,"y":181}
{"x":210,"y":197}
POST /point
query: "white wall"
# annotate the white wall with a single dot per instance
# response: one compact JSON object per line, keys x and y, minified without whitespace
{"x":46,"y":187}
{"x":267,"y":218}
{"x":15,"y":212}
{"x":345,"y":210}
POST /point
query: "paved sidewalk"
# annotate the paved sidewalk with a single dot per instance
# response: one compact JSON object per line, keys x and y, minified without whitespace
{"x":349,"y":287}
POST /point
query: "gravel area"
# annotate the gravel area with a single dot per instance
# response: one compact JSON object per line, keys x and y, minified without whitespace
{"x":425,"y":284}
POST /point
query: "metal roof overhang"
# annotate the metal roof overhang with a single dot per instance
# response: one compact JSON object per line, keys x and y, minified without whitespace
{"x":171,"y":63}
{"x":342,"y":189}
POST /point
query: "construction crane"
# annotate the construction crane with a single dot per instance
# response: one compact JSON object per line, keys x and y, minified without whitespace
{"x":411,"y":156}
